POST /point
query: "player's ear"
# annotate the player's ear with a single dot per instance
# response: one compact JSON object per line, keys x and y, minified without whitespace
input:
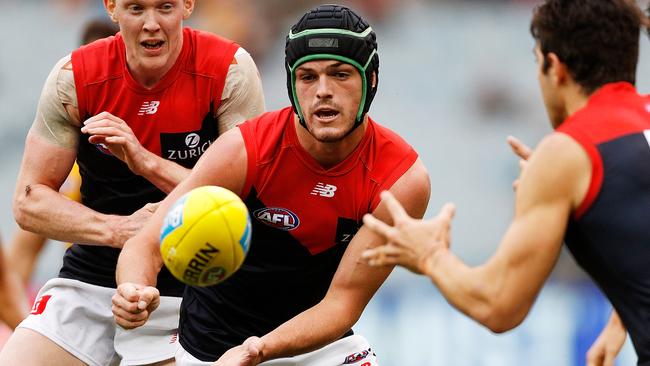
{"x":188,"y":8}
{"x":557,"y":70}
{"x":110,"y":9}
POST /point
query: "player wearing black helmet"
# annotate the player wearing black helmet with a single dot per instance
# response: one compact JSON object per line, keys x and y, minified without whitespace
{"x":307,"y":174}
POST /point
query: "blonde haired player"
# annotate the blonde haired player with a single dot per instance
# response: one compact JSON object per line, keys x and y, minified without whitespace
{"x":136,"y":111}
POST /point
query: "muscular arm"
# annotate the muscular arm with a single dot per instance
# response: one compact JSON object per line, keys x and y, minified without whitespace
{"x":50,"y":151}
{"x":353,"y":284}
{"x":223,"y":164}
{"x":500,"y":293}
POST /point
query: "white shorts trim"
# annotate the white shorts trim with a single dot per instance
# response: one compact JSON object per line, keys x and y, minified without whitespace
{"x":353,"y":350}
{"x":77,"y":316}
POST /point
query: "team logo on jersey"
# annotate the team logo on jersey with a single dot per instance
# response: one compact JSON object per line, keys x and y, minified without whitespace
{"x":103,"y":149}
{"x":356,"y":357}
{"x":279,"y":218}
{"x":186,"y":148}
{"x":40,"y":304}
{"x":324,"y":190}
{"x":149,"y":107}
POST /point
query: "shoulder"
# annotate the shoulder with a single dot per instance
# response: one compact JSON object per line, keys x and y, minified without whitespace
{"x":414,"y":182}
{"x":560,"y":168}
{"x":265,"y":124}
{"x":211,"y":54}
{"x":386,"y":134}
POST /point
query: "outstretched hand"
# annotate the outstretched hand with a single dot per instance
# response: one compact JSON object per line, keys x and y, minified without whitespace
{"x":523,"y":152}
{"x":133,"y":303}
{"x":248,"y":353}
{"x":116,"y":135}
{"x":410,"y":242}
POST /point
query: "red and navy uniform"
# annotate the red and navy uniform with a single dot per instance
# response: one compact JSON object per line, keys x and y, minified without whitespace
{"x":303,"y":218}
{"x":174,"y":120}
{"x":609,"y":234}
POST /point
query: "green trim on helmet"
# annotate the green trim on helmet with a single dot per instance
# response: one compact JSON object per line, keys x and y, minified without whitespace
{"x":327,"y":56}
{"x":308,"y":32}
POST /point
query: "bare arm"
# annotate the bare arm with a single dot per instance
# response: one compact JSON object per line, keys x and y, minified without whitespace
{"x":13,"y":300}
{"x":50,"y":151}
{"x":353,"y":284}
{"x":223,"y":164}
{"x":499,"y":293}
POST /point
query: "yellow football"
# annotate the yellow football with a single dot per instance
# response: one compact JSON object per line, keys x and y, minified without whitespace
{"x":205,"y":236}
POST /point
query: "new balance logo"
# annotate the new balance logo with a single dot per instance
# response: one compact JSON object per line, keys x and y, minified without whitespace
{"x":324,"y":190}
{"x":149,"y":108}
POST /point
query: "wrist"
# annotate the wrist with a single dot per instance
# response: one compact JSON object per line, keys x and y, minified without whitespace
{"x":116,"y":238}
{"x":433,"y":261}
{"x":146,"y":164}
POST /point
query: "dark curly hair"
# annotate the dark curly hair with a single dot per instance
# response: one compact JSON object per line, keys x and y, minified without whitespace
{"x":598,"y":40}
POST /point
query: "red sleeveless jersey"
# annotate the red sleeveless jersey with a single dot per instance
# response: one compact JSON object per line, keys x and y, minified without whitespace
{"x":175,"y":120}
{"x":609,"y":234}
{"x":303,"y":217}
{"x":299,"y":196}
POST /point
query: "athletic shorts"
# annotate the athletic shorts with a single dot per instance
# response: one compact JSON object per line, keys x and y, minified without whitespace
{"x":353,"y":350}
{"x":77,"y":316}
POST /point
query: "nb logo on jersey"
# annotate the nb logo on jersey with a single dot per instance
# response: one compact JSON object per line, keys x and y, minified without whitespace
{"x":324,"y":190}
{"x":149,"y":108}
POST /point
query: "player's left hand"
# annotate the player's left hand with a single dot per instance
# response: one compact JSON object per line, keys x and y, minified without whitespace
{"x":409,"y":242}
{"x":523,"y":152}
{"x":248,"y":353}
{"x":116,"y":135}
{"x":608,"y":345}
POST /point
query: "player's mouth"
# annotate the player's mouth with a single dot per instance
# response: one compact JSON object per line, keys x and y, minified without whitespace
{"x":326,"y":114}
{"x":152,"y":45}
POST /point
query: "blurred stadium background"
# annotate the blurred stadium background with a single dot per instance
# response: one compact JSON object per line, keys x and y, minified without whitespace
{"x":456,"y":78}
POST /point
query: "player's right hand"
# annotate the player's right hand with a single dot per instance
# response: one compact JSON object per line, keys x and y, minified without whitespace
{"x":116,"y":135}
{"x":133,"y":303}
{"x":523,"y":152}
{"x":128,"y":226}
{"x":608,"y":344}
{"x":410,"y":242}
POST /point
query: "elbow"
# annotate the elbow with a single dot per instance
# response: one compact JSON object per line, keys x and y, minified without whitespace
{"x":501,"y":318}
{"x":21,"y":212}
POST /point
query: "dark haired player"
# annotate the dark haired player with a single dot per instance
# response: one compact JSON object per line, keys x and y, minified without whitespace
{"x":307,"y":174}
{"x":587,"y":184}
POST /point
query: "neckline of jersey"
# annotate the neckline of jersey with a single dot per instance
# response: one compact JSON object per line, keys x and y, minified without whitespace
{"x":339,"y":169}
